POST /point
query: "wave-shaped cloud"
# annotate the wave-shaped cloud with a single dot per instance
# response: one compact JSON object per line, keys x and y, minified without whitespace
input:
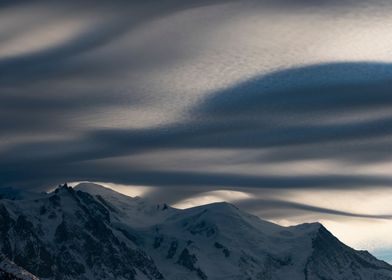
{"x":194,"y":96}
{"x":268,"y":122}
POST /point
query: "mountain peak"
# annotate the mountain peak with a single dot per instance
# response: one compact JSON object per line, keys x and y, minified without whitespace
{"x":64,"y":188}
{"x":92,"y":232}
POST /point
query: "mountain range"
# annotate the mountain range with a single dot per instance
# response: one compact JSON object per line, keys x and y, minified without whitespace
{"x":91,"y":232}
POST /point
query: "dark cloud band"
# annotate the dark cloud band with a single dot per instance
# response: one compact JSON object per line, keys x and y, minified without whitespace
{"x":53,"y":100}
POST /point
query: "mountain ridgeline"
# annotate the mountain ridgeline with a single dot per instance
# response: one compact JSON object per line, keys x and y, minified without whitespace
{"x":91,"y":232}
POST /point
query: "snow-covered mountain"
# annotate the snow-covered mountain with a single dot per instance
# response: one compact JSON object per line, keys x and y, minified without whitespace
{"x":91,"y":232}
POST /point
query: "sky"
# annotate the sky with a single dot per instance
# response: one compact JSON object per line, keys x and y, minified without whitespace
{"x":280,"y":107}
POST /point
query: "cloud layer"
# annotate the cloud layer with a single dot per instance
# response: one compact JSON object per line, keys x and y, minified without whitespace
{"x":264,"y":98}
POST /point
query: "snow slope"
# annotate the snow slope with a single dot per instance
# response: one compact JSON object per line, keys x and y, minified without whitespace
{"x":91,"y":232}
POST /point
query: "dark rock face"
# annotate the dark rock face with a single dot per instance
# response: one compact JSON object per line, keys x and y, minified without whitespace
{"x":332,"y":260}
{"x":6,"y":223}
{"x":225,"y":251}
{"x":7,"y":276}
{"x":157,"y":241}
{"x":172,"y":250}
{"x":84,"y":241}
{"x":4,"y":275}
{"x":29,"y":250}
{"x":189,"y":261}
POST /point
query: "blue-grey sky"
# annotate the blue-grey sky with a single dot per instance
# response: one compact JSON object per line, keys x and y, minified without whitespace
{"x":281,"y":107}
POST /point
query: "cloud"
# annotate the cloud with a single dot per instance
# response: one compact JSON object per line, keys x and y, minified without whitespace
{"x":189,"y":97}
{"x":315,"y":89}
{"x":275,"y":209}
{"x":260,"y":117}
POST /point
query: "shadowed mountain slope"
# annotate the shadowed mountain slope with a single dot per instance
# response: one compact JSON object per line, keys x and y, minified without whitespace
{"x":91,"y":232}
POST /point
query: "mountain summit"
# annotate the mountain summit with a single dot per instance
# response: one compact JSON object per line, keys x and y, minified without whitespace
{"x":91,"y":232}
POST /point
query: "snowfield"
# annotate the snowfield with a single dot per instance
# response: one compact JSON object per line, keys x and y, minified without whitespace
{"x":91,"y":232}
